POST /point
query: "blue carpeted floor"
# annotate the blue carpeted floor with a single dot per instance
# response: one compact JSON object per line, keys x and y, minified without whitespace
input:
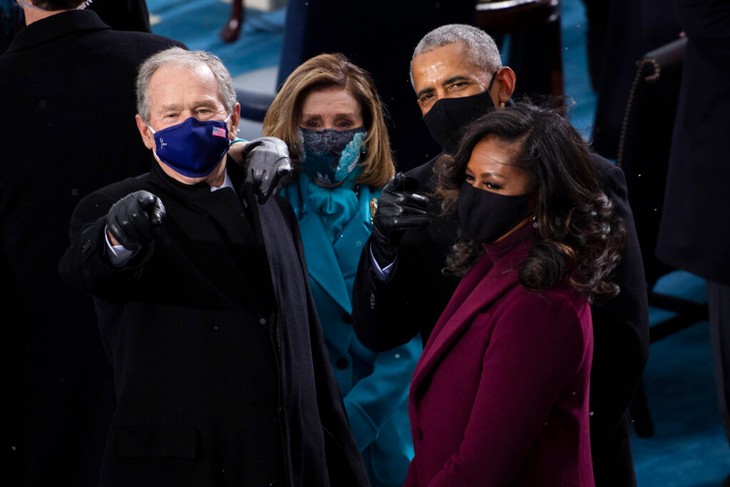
{"x":688,"y":448}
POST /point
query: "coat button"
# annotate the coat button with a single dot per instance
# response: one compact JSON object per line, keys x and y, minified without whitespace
{"x":347,"y":318}
{"x":342,"y":363}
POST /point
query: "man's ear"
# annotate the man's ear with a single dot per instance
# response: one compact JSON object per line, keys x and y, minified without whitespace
{"x":235,"y":120}
{"x":145,"y":132}
{"x":506,"y":81}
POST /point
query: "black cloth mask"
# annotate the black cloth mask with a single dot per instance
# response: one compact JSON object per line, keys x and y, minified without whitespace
{"x":485,"y":216}
{"x":448,"y":118}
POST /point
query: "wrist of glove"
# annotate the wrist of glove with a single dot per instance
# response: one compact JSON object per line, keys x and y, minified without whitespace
{"x":133,"y":220}
{"x":384,"y":250}
{"x":400,"y":209}
{"x":268,"y":165}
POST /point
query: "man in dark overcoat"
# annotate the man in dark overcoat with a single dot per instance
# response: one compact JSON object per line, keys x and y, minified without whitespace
{"x":693,"y":234}
{"x":221,"y":375}
{"x":401,"y":289}
{"x":124,"y":14}
{"x":67,"y":83}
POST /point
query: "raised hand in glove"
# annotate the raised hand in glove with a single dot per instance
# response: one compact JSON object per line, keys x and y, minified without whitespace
{"x":132,"y":220}
{"x":400,"y":209}
{"x":267,"y":164}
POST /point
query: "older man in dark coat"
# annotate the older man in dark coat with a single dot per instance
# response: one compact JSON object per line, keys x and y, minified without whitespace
{"x":68,"y":90}
{"x":221,"y":375}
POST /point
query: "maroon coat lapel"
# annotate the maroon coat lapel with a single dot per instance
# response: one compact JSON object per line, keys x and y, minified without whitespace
{"x":493,"y":275}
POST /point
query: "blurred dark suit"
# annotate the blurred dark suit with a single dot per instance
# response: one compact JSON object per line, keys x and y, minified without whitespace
{"x":694,"y":234}
{"x":68,"y":90}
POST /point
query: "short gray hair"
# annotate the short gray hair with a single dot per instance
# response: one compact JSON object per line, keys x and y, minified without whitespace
{"x":58,"y":5}
{"x":480,"y":48}
{"x":182,"y":57}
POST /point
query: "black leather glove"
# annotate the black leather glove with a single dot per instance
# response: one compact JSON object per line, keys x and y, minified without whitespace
{"x":133,"y":219}
{"x":400,"y":209}
{"x":268,"y":165}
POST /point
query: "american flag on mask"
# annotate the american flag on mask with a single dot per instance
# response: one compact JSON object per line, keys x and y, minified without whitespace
{"x":219,"y":132}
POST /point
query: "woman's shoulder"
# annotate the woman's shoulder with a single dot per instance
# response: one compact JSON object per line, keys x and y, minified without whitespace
{"x":554,"y":319}
{"x":561,"y":305}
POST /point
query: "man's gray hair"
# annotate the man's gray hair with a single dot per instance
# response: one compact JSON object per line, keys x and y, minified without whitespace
{"x":59,"y":5}
{"x":480,"y":48}
{"x":182,"y":57}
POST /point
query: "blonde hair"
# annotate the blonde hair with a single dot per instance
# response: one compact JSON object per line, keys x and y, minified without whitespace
{"x":325,"y":71}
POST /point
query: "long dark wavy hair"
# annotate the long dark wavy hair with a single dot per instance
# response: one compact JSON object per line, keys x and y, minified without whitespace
{"x":579,"y":238}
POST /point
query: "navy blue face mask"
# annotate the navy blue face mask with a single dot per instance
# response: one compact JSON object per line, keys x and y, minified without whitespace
{"x":192,"y":148}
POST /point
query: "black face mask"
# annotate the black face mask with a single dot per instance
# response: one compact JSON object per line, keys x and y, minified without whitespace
{"x":448,"y":118}
{"x":485,"y":216}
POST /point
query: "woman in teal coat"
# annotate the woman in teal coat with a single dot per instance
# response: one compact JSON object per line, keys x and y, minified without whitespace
{"x":331,"y":117}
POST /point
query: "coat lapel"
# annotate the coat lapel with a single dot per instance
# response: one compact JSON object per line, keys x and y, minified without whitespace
{"x":322,"y":262}
{"x":334,"y":266}
{"x":348,"y":247}
{"x":478,"y":290}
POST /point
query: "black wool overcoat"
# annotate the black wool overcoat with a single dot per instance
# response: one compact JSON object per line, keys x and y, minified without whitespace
{"x":693,"y":234}
{"x":221,"y":375}
{"x":67,"y":85}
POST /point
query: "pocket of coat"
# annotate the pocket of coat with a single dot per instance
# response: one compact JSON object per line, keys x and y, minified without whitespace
{"x":154,"y":441}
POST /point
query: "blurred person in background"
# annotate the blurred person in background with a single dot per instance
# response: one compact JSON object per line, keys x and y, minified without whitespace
{"x":68,"y":81}
{"x":693,"y":235}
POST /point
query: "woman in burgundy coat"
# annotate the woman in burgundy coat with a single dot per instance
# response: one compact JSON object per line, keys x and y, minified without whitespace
{"x":500,"y":394}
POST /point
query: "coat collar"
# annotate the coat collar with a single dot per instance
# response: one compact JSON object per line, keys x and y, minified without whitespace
{"x":494,"y":275}
{"x":59,"y":25}
{"x":329,"y":264}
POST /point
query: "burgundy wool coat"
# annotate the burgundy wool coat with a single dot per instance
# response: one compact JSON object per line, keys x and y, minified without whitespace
{"x":500,"y":394}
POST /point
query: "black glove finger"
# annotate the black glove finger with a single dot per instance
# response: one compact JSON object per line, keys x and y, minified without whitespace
{"x":284,"y":172}
{"x":152,"y":205}
{"x":266,"y":183}
{"x":128,"y":221}
{"x":255,"y":175}
{"x":260,"y":180}
{"x":271,"y":179}
{"x":284,"y":168}
{"x":407,"y":222}
{"x":413,"y":202}
{"x":145,"y":200}
{"x":267,"y":159}
{"x":115,"y":227}
{"x":124,"y":229}
{"x":140,"y":225}
{"x":399,"y":204}
{"x":158,"y":214}
{"x":398,"y":183}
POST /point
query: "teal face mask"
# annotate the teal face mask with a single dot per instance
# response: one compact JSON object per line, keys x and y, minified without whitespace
{"x":330,"y":156}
